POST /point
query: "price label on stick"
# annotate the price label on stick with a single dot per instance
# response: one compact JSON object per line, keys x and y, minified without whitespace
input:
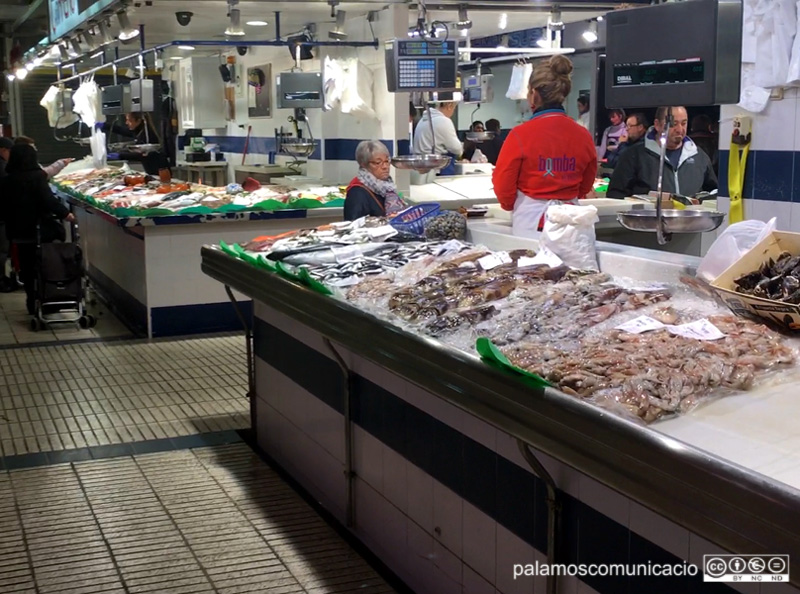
{"x":494,"y":260}
{"x":699,"y":330}
{"x":640,"y":324}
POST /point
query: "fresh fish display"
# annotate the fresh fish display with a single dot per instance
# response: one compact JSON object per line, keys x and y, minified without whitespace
{"x":657,"y":373}
{"x":557,"y":322}
{"x":777,"y":280}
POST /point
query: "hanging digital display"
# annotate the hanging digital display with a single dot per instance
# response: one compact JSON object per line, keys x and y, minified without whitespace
{"x":420,"y":65}
{"x":658,"y":73}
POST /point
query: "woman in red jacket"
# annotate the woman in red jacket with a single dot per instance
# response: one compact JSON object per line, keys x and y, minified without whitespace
{"x":549,"y":159}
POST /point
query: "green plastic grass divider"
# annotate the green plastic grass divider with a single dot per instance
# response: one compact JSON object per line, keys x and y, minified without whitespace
{"x":493,"y":356}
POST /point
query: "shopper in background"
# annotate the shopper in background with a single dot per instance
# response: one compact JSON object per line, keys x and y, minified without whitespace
{"x":372,"y":191}
{"x":550,"y":159}
{"x":491,"y":148}
{"x":447,"y":142}
{"x":636,"y":125}
{"x":6,"y":284}
{"x":702,"y":134}
{"x":687,"y":169}
{"x":28,"y":203}
{"x":612,"y":134}
{"x":583,"y":111}
{"x":470,"y":146}
{"x":54,"y":168}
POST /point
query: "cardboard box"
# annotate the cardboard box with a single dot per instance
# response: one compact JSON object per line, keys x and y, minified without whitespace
{"x":785,"y":315}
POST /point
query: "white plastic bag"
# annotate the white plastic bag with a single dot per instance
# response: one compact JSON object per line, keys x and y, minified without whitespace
{"x":569,"y":233}
{"x":334,"y":82}
{"x":731,"y":245}
{"x":518,"y":87}
{"x":98,"y":144}
{"x":357,"y":93}
{"x":50,"y":101}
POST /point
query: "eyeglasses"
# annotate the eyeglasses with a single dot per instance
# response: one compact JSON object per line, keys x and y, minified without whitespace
{"x":380,"y":163}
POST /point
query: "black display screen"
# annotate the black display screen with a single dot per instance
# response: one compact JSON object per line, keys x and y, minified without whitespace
{"x":661,"y":73}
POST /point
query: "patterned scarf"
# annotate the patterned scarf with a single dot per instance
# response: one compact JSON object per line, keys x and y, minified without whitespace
{"x":386,"y":188}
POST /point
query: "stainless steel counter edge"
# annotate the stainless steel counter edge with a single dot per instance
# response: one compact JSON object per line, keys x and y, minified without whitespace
{"x":731,"y":506}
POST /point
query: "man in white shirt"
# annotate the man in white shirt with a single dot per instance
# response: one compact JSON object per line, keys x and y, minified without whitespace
{"x":444,"y":130}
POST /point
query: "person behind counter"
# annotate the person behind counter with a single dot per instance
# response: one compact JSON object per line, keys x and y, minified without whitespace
{"x":611,"y":135}
{"x":54,"y":168}
{"x":583,"y":111}
{"x":447,"y":142}
{"x":550,"y":159}
{"x":372,"y":191}
{"x":491,"y":148}
{"x":687,"y":169}
{"x":139,"y":127}
{"x":28,"y":202}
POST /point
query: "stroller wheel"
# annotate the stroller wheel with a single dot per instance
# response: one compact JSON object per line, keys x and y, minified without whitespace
{"x":92,"y":320}
{"x":83,"y":321}
{"x":36,"y":324}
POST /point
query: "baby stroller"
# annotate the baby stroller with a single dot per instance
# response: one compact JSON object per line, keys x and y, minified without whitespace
{"x":60,"y":284}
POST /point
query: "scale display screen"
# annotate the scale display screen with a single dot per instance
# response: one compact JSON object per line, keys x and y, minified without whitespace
{"x":659,"y":73}
{"x":420,"y":65}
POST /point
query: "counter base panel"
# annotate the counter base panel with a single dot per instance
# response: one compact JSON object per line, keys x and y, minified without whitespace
{"x":443,"y":498}
{"x":130,"y":311}
{"x":205,"y":318}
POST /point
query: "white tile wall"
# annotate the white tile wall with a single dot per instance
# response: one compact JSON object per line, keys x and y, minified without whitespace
{"x":448,"y":518}
{"x":774,"y":129}
{"x":512,"y":550}
{"x":480,"y":542}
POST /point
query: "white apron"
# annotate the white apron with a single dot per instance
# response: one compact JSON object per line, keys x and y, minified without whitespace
{"x":528,"y":212}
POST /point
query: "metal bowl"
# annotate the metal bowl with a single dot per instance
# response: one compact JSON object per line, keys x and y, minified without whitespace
{"x":144,"y":148}
{"x":298,"y":147}
{"x":480,"y":136}
{"x":116,"y":147}
{"x":675,"y":221}
{"x":421,"y":163}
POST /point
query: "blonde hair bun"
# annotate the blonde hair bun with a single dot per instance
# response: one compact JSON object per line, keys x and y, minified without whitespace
{"x":561,"y":65}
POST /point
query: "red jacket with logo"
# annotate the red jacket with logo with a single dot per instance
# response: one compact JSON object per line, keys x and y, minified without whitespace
{"x":549,"y":157}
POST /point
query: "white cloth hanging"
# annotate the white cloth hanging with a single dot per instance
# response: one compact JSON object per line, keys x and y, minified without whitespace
{"x":51,"y":103}
{"x":776,"y":27}
{"x":748,"y":32}
{"x":793,"y":77}
{"x":518,"y":87}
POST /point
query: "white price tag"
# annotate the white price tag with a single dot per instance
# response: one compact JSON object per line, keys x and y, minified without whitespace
{"x":449,"y":248}
{"x":699,"y":330}
{"x":346,"y":253}
{"x":640,"y":324}
{"x":494,"y":260}
{"x":240,"y":200}
{"x":546,"y":257}
{"x":384,"y":231}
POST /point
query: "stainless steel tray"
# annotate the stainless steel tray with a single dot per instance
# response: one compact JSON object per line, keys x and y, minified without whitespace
{"x":479,"y":136}
{"x":675,"y":221}
{"x":421,"y":163}
{"x":144,"y":148}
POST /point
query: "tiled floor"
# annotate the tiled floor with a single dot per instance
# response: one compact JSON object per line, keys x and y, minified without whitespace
{"x":15,"y":324}
{"x":103,"y":488}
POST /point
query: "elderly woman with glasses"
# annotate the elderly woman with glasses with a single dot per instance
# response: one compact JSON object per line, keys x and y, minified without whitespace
{"x":372,"y":191}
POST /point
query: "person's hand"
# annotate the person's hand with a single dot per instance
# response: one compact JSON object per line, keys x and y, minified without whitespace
{"x":623,"y":138}
{"x":68,"y":160}
{"x":70,"y":217}
{"x":98,"y":126}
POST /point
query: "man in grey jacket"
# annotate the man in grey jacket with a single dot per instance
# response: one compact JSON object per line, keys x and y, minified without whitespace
{"x":687,"y":169}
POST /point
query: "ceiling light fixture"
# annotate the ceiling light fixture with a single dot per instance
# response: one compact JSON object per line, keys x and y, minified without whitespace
{"x":338,"y":31}
{"x":235,"y":26}
{"x":186,"y":47}
{"x":590,"y":35}
{"x":104,"y":34}
{"x":126,"y":30}
{"x":74,"y":48}
{"x":21,"y":73}
{"x":29,"y":66}
{"x":63,"y":54}
{"x":38,"y":60}
{"x":463,"y":18}
{"x":257,"y":23}
{"x":502,"y":22}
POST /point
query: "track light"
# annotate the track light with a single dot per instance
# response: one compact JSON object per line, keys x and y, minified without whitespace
{"x":63,"y":55}
{"x":235,"y":27}
{"x":590,"y":35}
{"x":126,"y":30}
{"x":104,"y":34}
{"x":338,"y":32}
{"x":463,"y":18}
{"x":21,"y":73}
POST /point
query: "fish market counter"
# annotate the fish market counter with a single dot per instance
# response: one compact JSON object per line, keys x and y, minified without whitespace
{"x":458,"y":474}
{"x":148,"y":268}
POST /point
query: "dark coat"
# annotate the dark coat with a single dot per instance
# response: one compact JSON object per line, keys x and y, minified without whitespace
{"x":28,"y":201}
{"x":637,"y":171}
{"x":360,"y":202}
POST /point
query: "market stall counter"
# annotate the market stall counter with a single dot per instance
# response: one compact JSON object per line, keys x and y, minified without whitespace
{"x":459,"y":464}
{"x":144,"y":260}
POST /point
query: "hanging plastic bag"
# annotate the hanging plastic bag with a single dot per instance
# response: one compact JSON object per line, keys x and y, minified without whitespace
{"x":51,"y":101}
{"x":98,"y":145}
{"x":731,"y":245}
{"x":569,"y":233}
{"x":776,"y":26}
{"x":518,"y":87}
{"x":357,"y":92}
{"x":88,"y":104}
{"x":333,"y":82}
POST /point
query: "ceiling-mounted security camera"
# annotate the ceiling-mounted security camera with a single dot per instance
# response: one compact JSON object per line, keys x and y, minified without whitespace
{"x":241,"y":50}
{"x":184,"y":17}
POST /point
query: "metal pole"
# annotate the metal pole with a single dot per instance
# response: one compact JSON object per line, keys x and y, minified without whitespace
{"x":349,"y":473}
{"x":660,"y":235}
{"x":553,"y":511}
{"x":277,"y":26}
